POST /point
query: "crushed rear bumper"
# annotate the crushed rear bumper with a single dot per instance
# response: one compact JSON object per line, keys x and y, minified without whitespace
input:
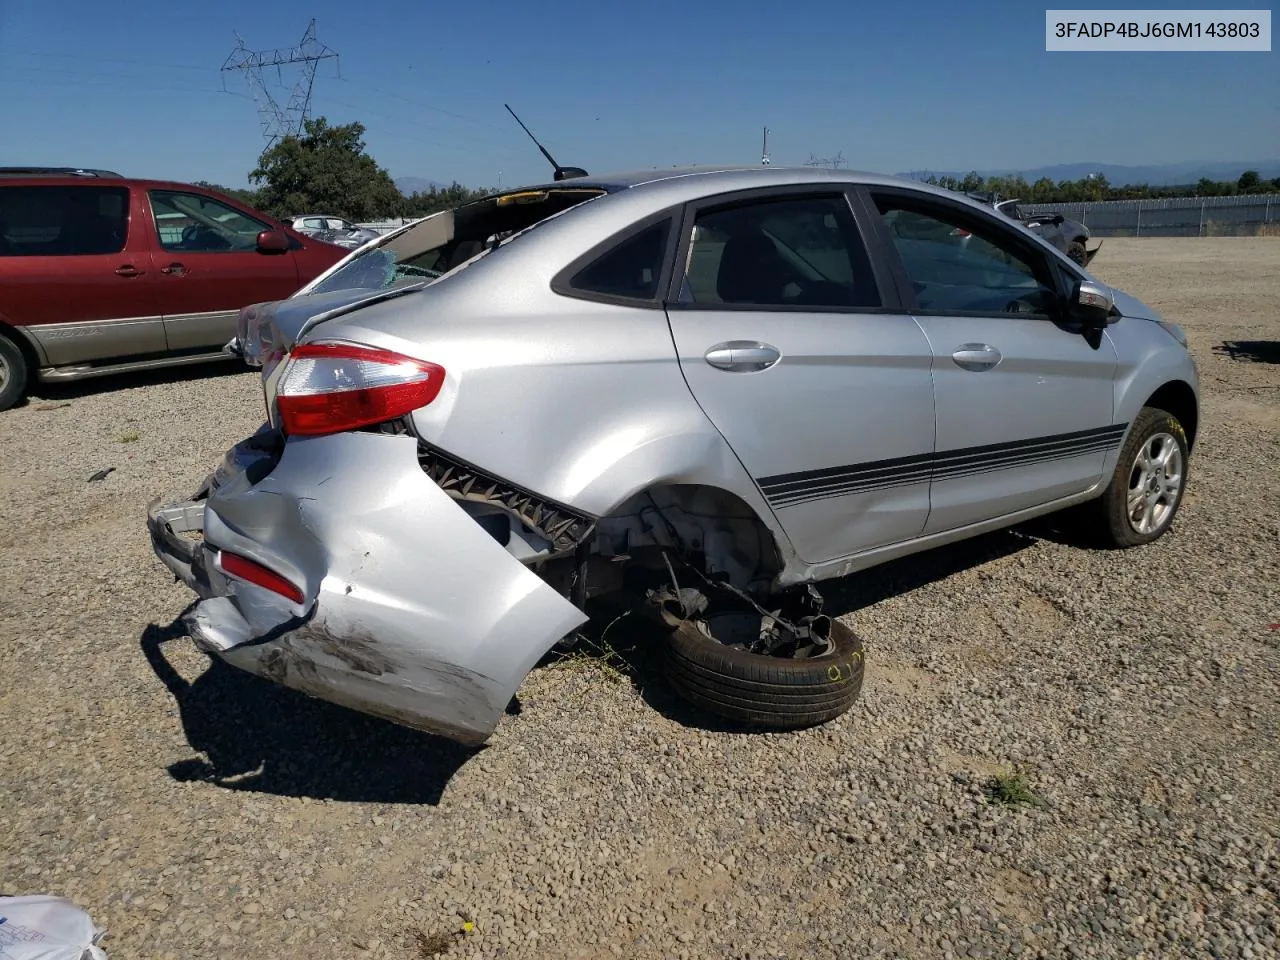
{"x":410,"y":610}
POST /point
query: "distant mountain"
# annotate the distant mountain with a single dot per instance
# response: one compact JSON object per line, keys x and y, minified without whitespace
{"x":1117,"y":175}
{"x":408,"y":185}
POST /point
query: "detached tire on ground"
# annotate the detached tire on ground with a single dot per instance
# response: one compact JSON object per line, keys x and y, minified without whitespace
{"x":13,"y":373}
{"x":777,"y":692}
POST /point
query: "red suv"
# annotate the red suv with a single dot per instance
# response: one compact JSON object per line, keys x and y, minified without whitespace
{"x":102,"y":274}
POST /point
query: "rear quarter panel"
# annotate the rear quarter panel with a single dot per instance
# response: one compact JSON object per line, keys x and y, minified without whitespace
{"x":582,"y":402}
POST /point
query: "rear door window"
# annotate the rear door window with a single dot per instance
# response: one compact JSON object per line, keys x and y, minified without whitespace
{"x":802,"y":251}
{"x":63,"y":221}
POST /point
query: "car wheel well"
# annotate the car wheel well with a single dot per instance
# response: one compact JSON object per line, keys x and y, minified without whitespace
{"x":1177,"y":397}
{"x":708,"y":526}
{"x":17,"y":383}
{"x":23,"y":344}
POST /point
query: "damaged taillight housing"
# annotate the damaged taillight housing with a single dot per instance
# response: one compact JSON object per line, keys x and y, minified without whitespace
{"x":333,"y":387}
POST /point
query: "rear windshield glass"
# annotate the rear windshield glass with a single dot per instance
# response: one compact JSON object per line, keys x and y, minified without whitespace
{"x":440,"y":243}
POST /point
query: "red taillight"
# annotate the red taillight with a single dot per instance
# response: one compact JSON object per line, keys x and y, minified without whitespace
{"x":958,"y":232}
{"x":257,"y":574}
{"x":332,"y":387}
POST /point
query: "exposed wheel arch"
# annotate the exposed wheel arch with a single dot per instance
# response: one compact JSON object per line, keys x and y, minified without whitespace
{"x":29,"y":357}
{"x":699,"y":521}
{"x":1177,"y":398}
{"x":25,"y":343}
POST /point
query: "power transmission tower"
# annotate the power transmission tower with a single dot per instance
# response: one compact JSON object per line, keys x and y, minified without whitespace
{"x":834,"y":162}
{"x":278,"y":121}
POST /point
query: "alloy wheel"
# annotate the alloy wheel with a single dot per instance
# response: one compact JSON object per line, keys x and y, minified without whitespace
{"x":1155,"y":484}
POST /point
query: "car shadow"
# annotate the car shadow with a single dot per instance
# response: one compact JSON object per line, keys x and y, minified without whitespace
{"x":1251,"y":351}
{"x":625,"y":640}
{"x":258,"y":736}
{"x":75,"y":389}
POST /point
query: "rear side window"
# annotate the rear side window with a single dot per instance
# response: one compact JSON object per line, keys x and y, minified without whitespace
{"x":631,"y":269}
{"x":63,"y":221}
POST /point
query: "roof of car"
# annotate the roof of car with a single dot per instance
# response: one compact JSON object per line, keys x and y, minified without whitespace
{"x":726,"y":177}
{"x":101,"y":176}
{"x":79,"y":172}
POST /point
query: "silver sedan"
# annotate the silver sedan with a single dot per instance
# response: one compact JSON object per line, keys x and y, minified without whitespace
{"x":710,"y":389}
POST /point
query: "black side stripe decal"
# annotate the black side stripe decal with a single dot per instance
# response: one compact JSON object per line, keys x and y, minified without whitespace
{"x":788,"y":489}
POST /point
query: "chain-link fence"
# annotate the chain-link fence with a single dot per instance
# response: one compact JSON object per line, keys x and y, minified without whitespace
{"x":1244,"y":216}
{"x":386,"y":226}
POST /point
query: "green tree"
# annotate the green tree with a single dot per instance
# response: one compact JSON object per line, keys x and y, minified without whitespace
{"x":325,"y":170}
{"x":248,"y":197}
{"x":1043,"y":191}
{"x":1249,"y":181}
{"x":425,"y":202}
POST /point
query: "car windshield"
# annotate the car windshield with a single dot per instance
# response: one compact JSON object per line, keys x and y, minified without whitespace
{"x":444,"y":241}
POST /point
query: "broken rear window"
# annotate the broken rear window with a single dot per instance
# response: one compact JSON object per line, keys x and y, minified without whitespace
{"x":438,"y":244}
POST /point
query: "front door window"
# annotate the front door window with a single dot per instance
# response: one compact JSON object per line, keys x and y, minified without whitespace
{"x":192,"y":223}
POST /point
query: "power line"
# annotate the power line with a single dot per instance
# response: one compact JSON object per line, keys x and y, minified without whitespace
{"x":149,"y":64}
{"x":111,"y":80}
{"x":278,"y":121}
{"x":400,"y":121}
{"x":424,"y":106}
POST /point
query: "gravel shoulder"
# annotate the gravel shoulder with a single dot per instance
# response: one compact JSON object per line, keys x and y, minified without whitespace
{"x":196,"y":811}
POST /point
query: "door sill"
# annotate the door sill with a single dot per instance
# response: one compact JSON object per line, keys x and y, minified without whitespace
{"x":84,"y":371}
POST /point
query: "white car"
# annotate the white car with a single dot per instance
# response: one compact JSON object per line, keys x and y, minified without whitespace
{"x":331,"y":229}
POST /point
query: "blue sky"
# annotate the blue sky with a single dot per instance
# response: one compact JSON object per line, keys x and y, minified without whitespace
{"x":893,"y":86}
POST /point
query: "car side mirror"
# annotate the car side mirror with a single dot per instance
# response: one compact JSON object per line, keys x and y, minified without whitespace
{"x":1092,"y":304}
{"x":273,"y":241}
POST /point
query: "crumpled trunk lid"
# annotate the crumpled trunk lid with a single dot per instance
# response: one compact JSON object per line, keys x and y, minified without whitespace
{"x":266,"y":332}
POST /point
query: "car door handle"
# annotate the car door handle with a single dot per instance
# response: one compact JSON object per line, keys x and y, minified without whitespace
{"x":976,"y":356}
{"x":176,"y":269}
{"x":742,"y":356}
{"x":128,"y":270}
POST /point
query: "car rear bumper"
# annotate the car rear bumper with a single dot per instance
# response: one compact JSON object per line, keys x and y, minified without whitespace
{"x":410,"y":610}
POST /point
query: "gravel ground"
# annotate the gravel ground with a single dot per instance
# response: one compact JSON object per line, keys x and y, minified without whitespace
{"x":195,"y":811}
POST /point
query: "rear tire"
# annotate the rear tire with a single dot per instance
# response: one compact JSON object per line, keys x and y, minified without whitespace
{"x":776,"y":692}
{"x":13,"y":373}
{"x":1077,"y":252}
{"x":1147,"y":487}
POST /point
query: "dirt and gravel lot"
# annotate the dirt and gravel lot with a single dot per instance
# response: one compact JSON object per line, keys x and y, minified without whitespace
{"x":198,"y":812}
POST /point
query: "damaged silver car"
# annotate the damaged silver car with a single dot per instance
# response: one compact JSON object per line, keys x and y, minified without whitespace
{"x":710,"y":389}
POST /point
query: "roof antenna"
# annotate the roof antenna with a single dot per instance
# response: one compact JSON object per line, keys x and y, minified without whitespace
{"x":561,"y":173}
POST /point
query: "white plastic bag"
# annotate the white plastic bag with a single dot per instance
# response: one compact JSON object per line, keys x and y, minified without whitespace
{"x":47,"y":928}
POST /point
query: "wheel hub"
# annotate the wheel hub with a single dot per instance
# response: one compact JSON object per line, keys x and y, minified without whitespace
{"x":1156,"y":485}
